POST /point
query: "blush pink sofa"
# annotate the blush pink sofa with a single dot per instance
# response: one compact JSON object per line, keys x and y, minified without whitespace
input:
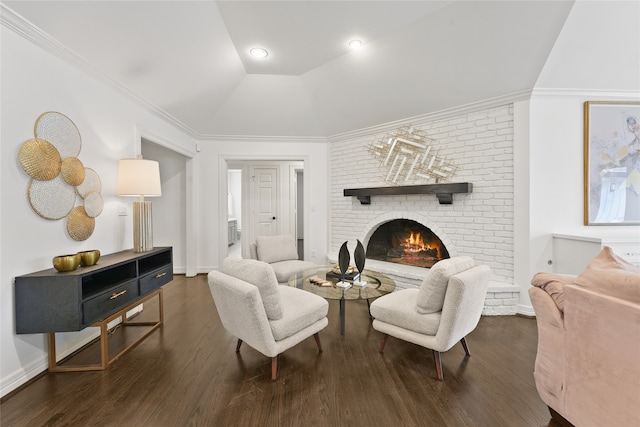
{"x":587,"y":367}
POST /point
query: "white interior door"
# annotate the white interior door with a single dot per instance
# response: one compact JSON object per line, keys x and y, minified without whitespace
{"x":265,"y":197}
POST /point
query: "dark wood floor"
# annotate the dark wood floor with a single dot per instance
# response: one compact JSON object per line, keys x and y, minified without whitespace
{"x":187,"y":374}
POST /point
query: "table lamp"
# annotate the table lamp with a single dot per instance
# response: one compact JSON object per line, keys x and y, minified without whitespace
{"x":140,"y":178}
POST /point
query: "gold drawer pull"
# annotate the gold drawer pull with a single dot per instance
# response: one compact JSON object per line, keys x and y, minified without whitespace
{"x":161,"y":275}
{"x":114,"y":296}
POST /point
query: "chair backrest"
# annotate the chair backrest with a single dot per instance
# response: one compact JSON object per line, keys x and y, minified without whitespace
{"x":463,"y":304}
{"x":261,"y":275}
{"x":241,"y":311}
{"x":275,"y":248}
{"x":431,"y":295}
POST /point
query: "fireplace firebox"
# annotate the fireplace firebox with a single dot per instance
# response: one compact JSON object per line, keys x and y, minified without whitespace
{"x":408,"y":242}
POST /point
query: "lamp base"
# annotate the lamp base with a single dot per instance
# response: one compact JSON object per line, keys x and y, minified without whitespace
{"x":142,"y":227}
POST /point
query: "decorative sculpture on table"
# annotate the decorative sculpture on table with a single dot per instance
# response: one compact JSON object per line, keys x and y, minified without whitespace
{"x":359,"y":257}
{"x":344,"y":258}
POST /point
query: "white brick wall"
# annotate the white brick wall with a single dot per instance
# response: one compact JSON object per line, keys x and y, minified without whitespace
{"x":479,"y":224}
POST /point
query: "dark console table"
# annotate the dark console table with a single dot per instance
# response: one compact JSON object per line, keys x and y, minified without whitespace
{"x":48,"y":301}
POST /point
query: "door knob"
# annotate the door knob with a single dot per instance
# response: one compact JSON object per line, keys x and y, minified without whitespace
{"x":273,"y":217}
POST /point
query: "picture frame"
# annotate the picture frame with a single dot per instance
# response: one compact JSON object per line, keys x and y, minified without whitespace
{"x":611,"y":163}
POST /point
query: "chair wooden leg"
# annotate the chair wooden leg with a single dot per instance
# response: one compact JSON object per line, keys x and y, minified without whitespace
{"x":436,"y":357}
{"x":274,"y":367}
{"x":318,"y":343}
{"x":559,"y":418}
{"x":383,"y":343}
{"x":238,"y":345}
{"x":463,"y":341}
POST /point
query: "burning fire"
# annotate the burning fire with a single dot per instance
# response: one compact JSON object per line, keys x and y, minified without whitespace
{"x":415,"y":244}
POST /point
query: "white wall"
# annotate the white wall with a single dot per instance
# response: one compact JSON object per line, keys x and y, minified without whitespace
{"x":213,"y":177}
{"x":33,"y":82}
{"x":596,"y":58}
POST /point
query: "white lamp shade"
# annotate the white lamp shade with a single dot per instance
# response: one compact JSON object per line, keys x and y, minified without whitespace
{"x":139,"y":177}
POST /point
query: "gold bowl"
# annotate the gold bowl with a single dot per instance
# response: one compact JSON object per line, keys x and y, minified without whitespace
{"x":66,"y":262}
{"x":88,"y":258}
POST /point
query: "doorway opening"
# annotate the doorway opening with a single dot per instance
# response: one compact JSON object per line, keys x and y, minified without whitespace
{"x":234,"y":212}
{"x":264,"y":198}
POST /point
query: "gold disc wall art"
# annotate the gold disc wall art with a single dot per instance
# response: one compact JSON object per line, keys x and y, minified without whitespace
{"x":40,"y":159}
{"x":72,"y":171}
{"x":59,"y":177}
{"x":80,"y":225}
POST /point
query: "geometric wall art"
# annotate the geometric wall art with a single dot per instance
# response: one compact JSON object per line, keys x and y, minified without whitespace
{"x":407,"y":155}
{"x":58,"y":177}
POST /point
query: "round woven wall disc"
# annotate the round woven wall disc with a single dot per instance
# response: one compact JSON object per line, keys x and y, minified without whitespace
{"x":59,"y":130}
{"x":91,"y":183}
{"x":52,"y":199}
{"x":72,"y":171}
{"x":40,"y":159}
{"x":79,"y":225}
{"x":93,"y":204}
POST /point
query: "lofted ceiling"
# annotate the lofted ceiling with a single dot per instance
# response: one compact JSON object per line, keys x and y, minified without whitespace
{"x":188,"y":60}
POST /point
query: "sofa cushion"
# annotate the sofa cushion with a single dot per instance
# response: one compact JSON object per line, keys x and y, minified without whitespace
{"x":261,"y":275}
{"x":611,"y":275}
{"x":276,"y":248}
{"x":399,"y":309}
{"x":434,"y":286}
{"x":300,"y":309}
{"x":553,"y":284}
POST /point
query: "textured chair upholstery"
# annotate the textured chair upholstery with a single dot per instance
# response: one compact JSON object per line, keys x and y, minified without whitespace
{"x":281,"y":253}
{"x":445,"y":309}
{"x":268,"y":317}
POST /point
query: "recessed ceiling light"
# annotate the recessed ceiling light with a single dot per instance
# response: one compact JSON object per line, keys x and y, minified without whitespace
{"x":259,"y":52}
{"x":355,"y":44}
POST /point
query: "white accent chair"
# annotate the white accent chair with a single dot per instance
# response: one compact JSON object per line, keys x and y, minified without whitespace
{"x":445,"y":309}
{"x":281,"y":253}
{"x":268,"y":317}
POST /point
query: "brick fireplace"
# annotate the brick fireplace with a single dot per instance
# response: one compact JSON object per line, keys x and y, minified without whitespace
{"x":479,"y":224}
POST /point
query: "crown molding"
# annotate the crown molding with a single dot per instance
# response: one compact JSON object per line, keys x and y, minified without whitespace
{"x":433,"y":116}
{"x":22,"y":27}
{"x":265,"y":138}
{"x":586,"y":94}
{"x":535,"y":93}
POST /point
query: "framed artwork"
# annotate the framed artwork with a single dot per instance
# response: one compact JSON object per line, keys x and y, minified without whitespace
{"x":611,"y":163}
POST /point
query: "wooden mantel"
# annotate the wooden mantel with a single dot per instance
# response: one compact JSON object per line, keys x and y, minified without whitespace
{"x":444,"y":192}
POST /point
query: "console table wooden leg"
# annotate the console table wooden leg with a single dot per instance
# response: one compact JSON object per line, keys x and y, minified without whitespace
{"x":51,"y":340}
{"x":160,"y":306}
{"x":104,"y":346}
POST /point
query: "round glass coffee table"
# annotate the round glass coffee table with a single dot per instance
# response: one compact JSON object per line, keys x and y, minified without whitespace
{"x":377,"y":284}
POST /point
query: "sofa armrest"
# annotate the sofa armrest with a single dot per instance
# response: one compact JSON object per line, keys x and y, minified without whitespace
{"x":549,"y":372}
{"x":603,"y":358}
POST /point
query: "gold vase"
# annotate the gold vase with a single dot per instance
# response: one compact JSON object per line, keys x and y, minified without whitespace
{"x":64,"y":263}
{"x":88,"y":258}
